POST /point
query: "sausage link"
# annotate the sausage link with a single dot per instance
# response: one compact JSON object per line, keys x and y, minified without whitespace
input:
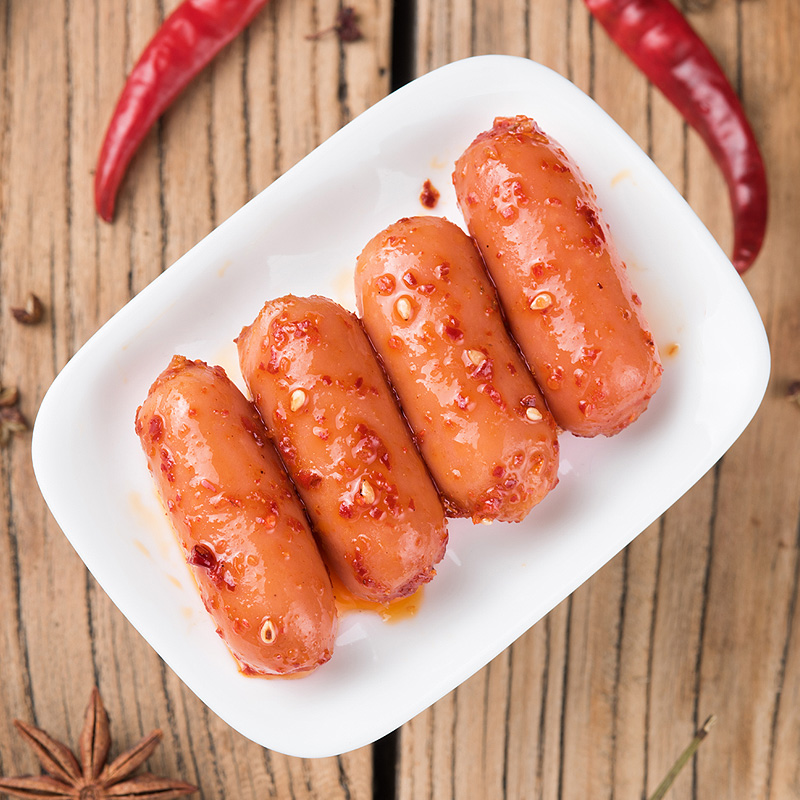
{"x":260,"y":574}
{"x":321,"y":392}
{"x":432,"y":314}
{"x":562,"y":284}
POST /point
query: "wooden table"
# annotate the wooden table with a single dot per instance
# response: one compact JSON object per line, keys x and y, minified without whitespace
{"x":699,"y":615}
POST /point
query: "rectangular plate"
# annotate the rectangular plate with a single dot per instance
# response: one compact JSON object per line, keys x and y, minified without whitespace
{"x":302,"y":236}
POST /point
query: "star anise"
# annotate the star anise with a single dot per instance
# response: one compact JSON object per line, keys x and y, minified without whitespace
{"x":90,"y":778}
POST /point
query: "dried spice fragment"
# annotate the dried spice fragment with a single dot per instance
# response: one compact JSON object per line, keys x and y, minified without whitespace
{"x":90,"y":777}
{"x":11,"y":419}
{"x":429,"y":196}
{"x":345,"y":26}
{"x":32,"y":312}
{"x":793,"y":392}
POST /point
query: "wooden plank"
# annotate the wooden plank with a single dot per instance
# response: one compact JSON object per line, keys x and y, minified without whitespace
{"x":262,"y":105}
{"x":700,"y":613}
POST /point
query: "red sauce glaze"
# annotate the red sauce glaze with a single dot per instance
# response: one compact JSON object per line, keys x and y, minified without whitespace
{"x":374,"y":507}
{"x":563,"y":286}
{"x":241,"y":526}
{"x":489,"y":459}
{"x":429,"y":196}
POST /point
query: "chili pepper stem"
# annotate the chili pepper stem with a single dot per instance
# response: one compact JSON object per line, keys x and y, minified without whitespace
{"x":683,"y":759}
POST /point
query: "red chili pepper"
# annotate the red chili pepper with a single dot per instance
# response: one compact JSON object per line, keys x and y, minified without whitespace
{"x":189,"y":38}
{"x":659,"y":40}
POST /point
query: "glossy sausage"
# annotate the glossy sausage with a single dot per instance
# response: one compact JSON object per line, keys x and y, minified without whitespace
{"x":259,"y":571}
{"x":562,"y":284}
{"x":432,"y":314}
{"x":320,"y":390}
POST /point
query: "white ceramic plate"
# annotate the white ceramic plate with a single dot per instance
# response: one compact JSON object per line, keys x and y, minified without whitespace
{"x":302,"y":235}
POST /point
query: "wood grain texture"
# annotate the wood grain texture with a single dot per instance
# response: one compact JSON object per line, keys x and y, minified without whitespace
{"x":700,"y":614}
{"x":265,"y":102}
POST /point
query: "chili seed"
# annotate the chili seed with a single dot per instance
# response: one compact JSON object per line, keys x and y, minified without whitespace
{"x":476,"y":357}
{"x":297,"y":400}
{"x":268,"y":633}
{"x":367,"y":492}
{"x":541,"y":301}
{"x":403,"y":308}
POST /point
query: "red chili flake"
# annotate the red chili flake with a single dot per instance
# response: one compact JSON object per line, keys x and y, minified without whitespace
{"x":590,"y":215}
{"x":369,"y":445}
{"x":156,"y":428}
{"x":430,"y":195}
{"x":556,"y":378}
{"x":208,"y":485}
{"x":443,"y":270}
{"x":519,"y":192}
{"x":499,"y":471}
{"x":385,"y":283}
{"x":346,"y":509}
{"x":552,"y":201}
{"x":483,"y":371}
{"x":589,"y":355}
{"x":456,"y":334}
{"x":636,"y":299}
{"x":202,"y":556}
{"x":492,"y":393}
{"x":409,"y":279}
{"x":392,"y":497}
{"x":288,"y":450}
{"x":511,"y":368}
{"x":251,"y":428}
{"x":274,"y":361}
{"x":359,"y":383}
{"x":309,"y":479}
{"x":461,"y":401}
{"x":594,"y":243}
{"x":167,"y":465}
{"x":241,"y":625}
{"x":426,"y":288}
